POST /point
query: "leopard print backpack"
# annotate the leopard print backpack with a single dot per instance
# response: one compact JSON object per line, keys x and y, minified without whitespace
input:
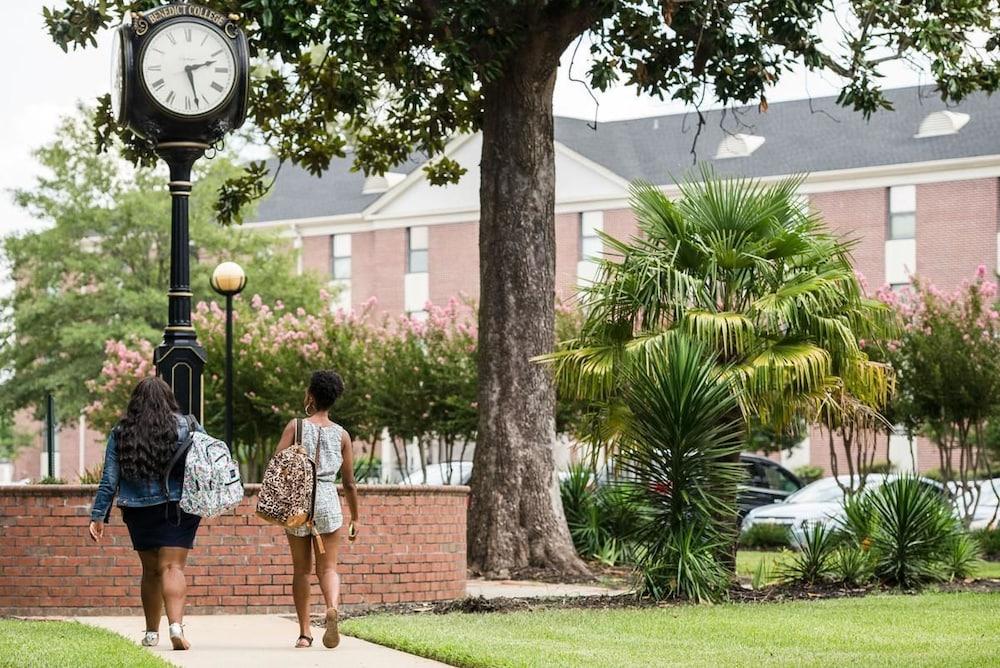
{"x":287,"y":494}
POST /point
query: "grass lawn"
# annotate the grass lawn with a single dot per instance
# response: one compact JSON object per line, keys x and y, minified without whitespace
{"x":26,"y":644}
{"x":927,"y":630}
{"x":747,"y":562}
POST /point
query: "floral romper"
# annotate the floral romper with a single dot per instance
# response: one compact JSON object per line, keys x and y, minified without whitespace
{"x":328,"y":515}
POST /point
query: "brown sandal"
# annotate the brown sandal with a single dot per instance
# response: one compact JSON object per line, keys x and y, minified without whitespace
{"x":331,"y":638}
{"x":302,"y":645}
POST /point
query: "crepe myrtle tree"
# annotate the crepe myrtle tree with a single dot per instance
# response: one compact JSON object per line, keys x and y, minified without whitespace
{"x":395,"y":77}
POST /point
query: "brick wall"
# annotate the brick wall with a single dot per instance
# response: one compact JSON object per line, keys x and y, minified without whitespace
{"x":410,"y":547}
{"x":859,"y":215}
{"x":956,"y":230}
{"x":316,"y":255}
{"x":620,"y":224}
{"x":567,"y":254}
{"x":453,"y":260}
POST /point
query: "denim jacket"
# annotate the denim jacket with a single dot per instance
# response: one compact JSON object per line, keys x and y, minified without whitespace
{"x":134,"y":493}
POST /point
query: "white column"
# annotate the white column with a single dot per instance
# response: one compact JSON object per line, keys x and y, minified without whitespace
{"x":388,"y":456}
{"x":901,"y":452}
{"x":798,"y":456}
{"x":297,"y":245}
{"x":82,"y":445}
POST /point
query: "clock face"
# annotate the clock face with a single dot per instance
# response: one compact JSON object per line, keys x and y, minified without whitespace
{"x":118,"y":77}
{"x":188,"y":68}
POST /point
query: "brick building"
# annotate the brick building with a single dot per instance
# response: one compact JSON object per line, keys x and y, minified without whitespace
{"x":917,"y":187}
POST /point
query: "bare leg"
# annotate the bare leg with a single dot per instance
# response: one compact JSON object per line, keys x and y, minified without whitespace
{"x":302,"y":565}
{"x":329,"y":582}
{"x":152,"y":592}
{"x":326,"y":569}
{"x":172,"y":562}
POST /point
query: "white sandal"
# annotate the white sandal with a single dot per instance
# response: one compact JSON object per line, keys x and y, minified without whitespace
{"x":151,"y":639}
{"x":177,"y":638}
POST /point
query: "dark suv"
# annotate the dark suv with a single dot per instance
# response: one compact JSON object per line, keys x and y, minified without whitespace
{"x":767,"y":482}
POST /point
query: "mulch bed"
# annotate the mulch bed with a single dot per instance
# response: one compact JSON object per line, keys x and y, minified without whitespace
{"x":738,"y":594}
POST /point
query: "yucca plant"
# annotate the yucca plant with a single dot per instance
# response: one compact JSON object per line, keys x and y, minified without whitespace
{"x":678,"y":433}
{"x":814,"y":562}
{"x":741,"y":268}
{"x":961,"y":556}
{"x":913,"y":529}
{"x":852,"y":565}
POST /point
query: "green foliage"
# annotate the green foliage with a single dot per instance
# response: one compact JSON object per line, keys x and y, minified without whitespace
{"x":101,"y":269}
{"x":396,"y":77}
{"x":989,"y":541}
{"x":763,"y":536}
{"x":763,"y":574}
{"x":679,"y":442}
{"x":961,"y":556}
{"x":739,"y":267}
{"x":948,"y":366}
{"x":852,"y":565}
{"x":51,"y":480}
{"x":11,"y":440}
{"x":92,"y":476}
{"x":879,"y":468}
{"x":910,"y":530}
{"x":815,"y":560}
{"x":809,"y":473}
{"x":601,"y":519}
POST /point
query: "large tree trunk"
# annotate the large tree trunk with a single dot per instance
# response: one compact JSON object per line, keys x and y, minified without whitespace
{"x":515,"y":516}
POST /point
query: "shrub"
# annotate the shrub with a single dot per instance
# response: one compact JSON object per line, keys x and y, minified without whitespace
{"x":961,"y":556}
{"x":852,"y":565}
{"x":601,"y":520}
{"x":989,"y":541}
{"x":877,"y":468}
{"x":913,"y":528}
{"x":765,"y":537}
{"x":92,"y":476}
{"x":51,"y":480}
{"x":681,"y":435}
{"x":809,"y":473}
{"x":815,"y":559}
{"x":935,"y":474}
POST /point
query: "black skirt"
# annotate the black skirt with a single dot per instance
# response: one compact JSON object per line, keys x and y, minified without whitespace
{"x":153,"y":527}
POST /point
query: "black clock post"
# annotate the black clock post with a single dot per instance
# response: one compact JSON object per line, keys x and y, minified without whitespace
{"x":180,"y":359}
{"x":181,"y":81}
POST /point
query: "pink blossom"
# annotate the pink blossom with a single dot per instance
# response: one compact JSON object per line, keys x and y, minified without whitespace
{"x":256,"y":301}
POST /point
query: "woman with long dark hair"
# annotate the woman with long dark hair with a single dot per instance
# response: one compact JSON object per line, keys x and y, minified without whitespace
{"x":139,"y":450}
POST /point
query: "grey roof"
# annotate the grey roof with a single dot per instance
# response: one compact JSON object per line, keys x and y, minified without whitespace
{"x":298,"y":194}
{"x":801,"y":136}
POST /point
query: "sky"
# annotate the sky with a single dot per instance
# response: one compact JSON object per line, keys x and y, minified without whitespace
{"x":44,"y":83}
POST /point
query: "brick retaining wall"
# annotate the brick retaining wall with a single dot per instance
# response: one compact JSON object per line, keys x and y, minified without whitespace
{"x":410,"y":547}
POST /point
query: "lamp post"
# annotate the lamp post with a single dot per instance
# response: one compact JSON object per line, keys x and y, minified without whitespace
{"x":229,"y":279}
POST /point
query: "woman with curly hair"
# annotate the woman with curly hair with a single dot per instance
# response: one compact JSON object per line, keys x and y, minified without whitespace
{"x":139,"y":451}
{"x":329,"y":445}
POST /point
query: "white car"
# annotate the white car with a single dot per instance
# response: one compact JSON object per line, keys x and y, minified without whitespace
{"x":442,"y":473}
{"x":820,"y":502}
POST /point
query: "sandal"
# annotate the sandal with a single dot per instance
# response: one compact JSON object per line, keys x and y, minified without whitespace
{"x":177,"y":638}
{"x":151,"y":639}
{"x":303,"y":642}
{"x":332,"y":636}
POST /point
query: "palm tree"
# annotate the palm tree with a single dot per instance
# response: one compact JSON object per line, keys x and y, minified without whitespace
{"x":744,"y":270}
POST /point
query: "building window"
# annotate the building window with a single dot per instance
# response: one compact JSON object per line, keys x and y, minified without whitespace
{"x":902,"y":212}
{"x":591,"y":244}
{"x":416,"y":250}
{"x":340,"y":257}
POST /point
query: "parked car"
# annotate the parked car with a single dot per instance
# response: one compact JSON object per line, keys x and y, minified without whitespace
{"x":442,"y":473}
{"x":820,"y":502}
{"x":767,"y":482}
{"x":987,"y":514}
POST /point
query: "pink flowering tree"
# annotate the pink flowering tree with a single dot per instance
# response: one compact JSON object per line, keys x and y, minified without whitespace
{"x":947,"y":362}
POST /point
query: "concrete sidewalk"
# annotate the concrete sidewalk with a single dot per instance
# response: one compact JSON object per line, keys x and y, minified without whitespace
{"x":258,"y":640}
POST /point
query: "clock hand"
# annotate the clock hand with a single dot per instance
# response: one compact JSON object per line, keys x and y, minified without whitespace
{"x":194,"y":67}
{"x":189,"y":69}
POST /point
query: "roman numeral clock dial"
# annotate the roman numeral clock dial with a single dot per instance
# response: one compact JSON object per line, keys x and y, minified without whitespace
{"x":188,"y":68}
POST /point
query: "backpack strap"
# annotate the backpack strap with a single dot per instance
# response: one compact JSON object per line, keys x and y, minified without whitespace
{"x":181,"y":452}
{"x":315,"y":477}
